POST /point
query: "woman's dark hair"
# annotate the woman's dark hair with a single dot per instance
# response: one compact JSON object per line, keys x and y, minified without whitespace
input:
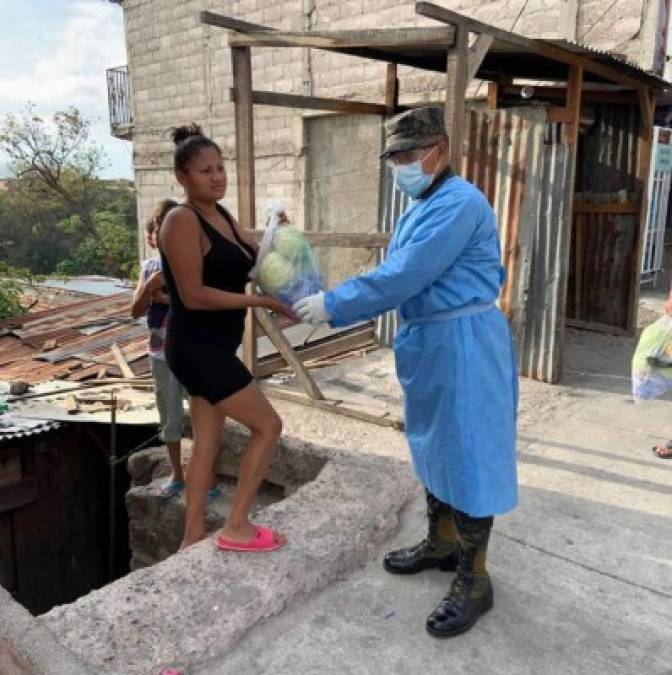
{"x":159,"y":213}
{"x":189,"y":141}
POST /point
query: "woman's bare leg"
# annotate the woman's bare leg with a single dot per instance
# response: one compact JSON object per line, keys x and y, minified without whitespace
{"x":251,"y":408}
{"x":207,"y":422}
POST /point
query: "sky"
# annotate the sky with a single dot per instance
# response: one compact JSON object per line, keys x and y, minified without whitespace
{"x":54,"y":53}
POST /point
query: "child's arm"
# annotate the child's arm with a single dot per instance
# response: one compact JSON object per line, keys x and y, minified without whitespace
{"x":142,"y":296}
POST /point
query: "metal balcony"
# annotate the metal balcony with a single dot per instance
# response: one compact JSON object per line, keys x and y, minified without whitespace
{"x":120,"y":103}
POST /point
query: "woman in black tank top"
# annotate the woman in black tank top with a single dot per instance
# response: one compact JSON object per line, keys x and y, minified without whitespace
{"x":206,"y":261}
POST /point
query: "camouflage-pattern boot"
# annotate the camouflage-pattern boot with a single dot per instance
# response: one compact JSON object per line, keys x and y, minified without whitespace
{"x":471,"y":592}
{"x":438,"y":550}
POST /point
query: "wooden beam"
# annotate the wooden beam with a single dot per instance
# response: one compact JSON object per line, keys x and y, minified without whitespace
{"x":556,"y":114}
{"x":121,"y":361}
{"x":456,"y":91}
{"x":277,"y":337}
{"x":494,"y":89}
{"x":647,"y":102}
{"x":477,"y":53}
{"x":540,"y":47}
{"x":341,"y":239}
{"x":596,"y":95}
{"x":273,"y":98}
{"x":244,"y":121}
{"x":329,"y":346}
{"x":391,"y":89}
{"x":573,"y":102}
{"x":645,"y":106}
{"x":335,"y":407}
{"x":381,"y":38}
{"x":221,"y":21}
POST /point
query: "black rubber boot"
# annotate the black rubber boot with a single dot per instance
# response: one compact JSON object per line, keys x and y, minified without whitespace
{"x":471,"y":593}
{"x":439,"y":550}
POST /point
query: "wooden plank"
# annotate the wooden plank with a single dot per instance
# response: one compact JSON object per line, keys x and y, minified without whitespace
{"x":540,"y":47}
{"x":221,"y":21}
{"x":578,"y":264}
{"x":273,"y":98}
{"x":380,"y":38}
{"x":456,"y":91}
{"x":281,"y":343}
{"x":571,"y":132}
{"x":335,"y":407}
{"x":341,"y":239}
{"x":477,"y":53}
{"x":244,"y":123}
{"x":574,"y":86}
{"x":493,"y":95}
{"x":337,"y":344}
{"x":121,"y":361}
{"x":10,"y":467}
{"x":18,"y":494}
{"x":648,"y":108}
{"x":625,"y":207}
{"x":391,"y":89}
{"x":557,"y":114}
{"x":7,"y":558}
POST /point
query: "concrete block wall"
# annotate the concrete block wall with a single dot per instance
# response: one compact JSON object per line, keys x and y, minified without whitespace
{"x":181,"y":72}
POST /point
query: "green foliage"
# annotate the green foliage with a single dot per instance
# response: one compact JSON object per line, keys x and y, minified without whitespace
{"x":111,"y":251}
{"x":11,"y":289}
{"x":56,"y":215}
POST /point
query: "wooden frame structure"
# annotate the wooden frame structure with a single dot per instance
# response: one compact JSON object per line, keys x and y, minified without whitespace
{"x":462,"y":48}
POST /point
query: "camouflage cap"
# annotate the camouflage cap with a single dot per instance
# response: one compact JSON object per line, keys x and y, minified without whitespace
{"x":417,"y":128}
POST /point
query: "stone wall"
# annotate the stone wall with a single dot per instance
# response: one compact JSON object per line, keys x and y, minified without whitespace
{"x":181,"y":72}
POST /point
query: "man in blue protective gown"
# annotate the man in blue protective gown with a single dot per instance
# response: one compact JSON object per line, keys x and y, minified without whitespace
{"x":454,"y":359}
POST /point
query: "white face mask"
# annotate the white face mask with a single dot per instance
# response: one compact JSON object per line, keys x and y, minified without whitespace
{"x":411,"y":178}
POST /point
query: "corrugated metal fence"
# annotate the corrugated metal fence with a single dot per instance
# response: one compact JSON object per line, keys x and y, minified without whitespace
{"x":521,"y":164}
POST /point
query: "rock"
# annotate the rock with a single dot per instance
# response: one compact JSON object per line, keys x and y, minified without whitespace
{"x":340,"y":507}
{"x":18,"y":388}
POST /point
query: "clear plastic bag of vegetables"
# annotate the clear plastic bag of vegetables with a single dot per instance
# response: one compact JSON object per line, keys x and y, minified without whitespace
{"x":652,"y":361}
{"x":286,"y":267}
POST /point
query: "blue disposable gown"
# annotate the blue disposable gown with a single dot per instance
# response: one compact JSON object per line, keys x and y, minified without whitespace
{"x":458,"y":375}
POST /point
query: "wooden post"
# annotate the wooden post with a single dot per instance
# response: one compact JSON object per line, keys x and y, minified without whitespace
{"x":493,"y":95}
{"x":572,"y":103}
{"x":277,"y":337}
{"x":647,"y":104}
{"x":457,"y":68}
{"x":244,"y":119}
{"x":391,"y":89}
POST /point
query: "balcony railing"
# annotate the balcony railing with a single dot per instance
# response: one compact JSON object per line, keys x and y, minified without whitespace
{"x":119,"y":102}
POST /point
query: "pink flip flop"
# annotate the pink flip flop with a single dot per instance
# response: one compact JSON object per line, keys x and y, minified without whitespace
{"x":263,"y":540}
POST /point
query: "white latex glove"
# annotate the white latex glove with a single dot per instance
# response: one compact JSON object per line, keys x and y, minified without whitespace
{"x":311,"y":309}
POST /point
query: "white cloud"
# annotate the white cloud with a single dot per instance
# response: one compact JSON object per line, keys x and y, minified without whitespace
{"x":72,"y":71}
{"x":65,"y":66}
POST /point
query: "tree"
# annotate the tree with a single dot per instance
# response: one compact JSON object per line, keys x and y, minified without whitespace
{"x":56,"y":214}
{"x":54,"y":161}
{"x":111,"y":252}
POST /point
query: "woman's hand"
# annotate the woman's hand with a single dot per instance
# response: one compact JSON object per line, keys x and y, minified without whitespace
{"x":277,"y":307}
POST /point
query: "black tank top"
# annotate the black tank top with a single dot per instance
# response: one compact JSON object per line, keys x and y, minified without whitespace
{"x":226,"y":268}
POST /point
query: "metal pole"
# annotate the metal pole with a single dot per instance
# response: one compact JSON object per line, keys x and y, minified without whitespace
{"x":112,"y":496}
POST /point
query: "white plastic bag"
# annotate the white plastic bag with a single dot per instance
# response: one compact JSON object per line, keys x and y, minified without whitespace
{"x":652,"y":361}
{"x":286,"y":267}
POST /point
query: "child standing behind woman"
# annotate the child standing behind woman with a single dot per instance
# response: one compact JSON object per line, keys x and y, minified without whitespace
{"x":151,"y":298}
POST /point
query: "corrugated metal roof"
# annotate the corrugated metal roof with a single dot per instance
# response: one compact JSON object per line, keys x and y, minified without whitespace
{"x":14,"y":426}
{"x":72,"y":342}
